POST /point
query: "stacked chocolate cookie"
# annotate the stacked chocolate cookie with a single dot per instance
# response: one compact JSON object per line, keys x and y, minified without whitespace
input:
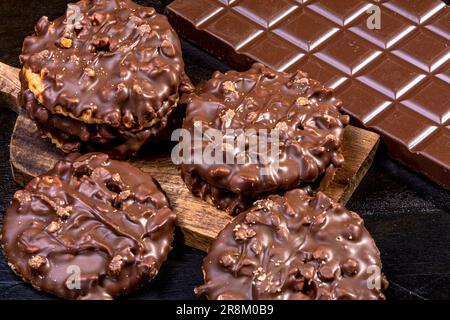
{"x":304,"y":113}
{"x":299,"y":245}
{"x":107,"y":76}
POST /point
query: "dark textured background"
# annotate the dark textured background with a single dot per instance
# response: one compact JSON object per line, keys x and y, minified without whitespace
{"x":408,"y":216}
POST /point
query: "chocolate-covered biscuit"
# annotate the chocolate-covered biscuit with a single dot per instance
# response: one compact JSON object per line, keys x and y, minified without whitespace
{"x":112,"y":63}
{"x":71,"y":135}
{"x":90,"y":228}
{"x":296,"y":246}
{"x":303,"y":112}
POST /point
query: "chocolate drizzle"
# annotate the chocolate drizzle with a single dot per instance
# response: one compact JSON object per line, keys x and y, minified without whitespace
{"x":296,"y":246}
{"x":90,"y":228}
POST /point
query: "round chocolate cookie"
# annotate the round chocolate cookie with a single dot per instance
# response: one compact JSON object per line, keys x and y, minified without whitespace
{"x":296,"y":246}
{"x":90,"y":228}
{"x":112,"y":63}
{"x":303,"y":112}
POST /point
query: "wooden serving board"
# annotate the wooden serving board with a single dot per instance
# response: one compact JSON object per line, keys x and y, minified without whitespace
{"x":200,"y":222}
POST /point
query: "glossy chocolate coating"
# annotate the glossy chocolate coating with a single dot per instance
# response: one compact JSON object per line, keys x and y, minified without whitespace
{"x":71,"y":135}
{"x":394,"y":80}
{"x":297,"y":246}
{"x":122,"y":66}
{"x":305,"y":113}
{"x":103,"y":217}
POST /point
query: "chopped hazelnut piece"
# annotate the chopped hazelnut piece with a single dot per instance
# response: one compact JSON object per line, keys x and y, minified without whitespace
{"x":66,"y":43}
{"x":37,"y":262}
{"x":54,"y":226}
{"x":116,"y":177}
{"x":115,"y":266}
{"x":243,"y":232}
{"x":303,"y":101}
{"x":63,"y":212}
{"x":229,"y":86}
{"x":90,"y":72}
{"x":124,"y":195}
{"x":23,"y":196}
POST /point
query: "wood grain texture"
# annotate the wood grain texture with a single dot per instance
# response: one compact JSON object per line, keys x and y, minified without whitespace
{"x":199,"y":222}
{"x":9,"y":86}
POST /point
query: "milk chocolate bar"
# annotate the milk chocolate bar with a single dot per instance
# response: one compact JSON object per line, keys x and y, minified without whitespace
{"x":389,"y":61}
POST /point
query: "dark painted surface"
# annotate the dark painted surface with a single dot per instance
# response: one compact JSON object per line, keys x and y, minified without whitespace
{"x":408,"y":216}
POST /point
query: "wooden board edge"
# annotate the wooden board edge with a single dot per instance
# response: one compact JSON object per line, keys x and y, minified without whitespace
{"x":9,"y":87}
{"x":198,"y":236}
{"x":359,"y":176}
{"x":19,"y":176}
